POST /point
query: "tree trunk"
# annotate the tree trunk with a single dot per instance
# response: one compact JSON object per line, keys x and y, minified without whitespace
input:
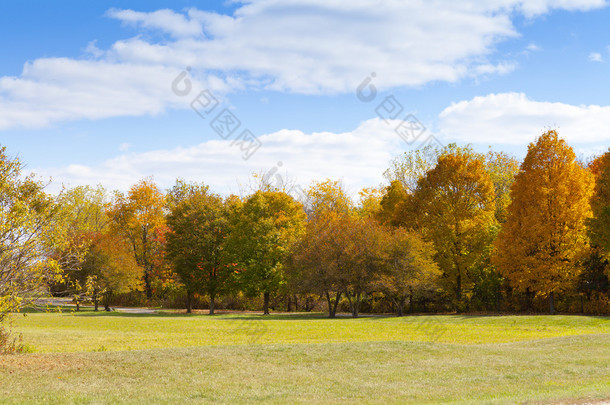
{"x":107,"y":302}
{"x":410,"y":300}
{"x":296,"y":303}
{"x":458,"y":292}
{"x":147,"y":284}
{"x":354,"y":303}
{"x":288,"y":303}
{"x":96,"y":302}
{"x":400,"y":305}
{"x":189,"y":302}
{"x":332,"y":307}
{"x":266,"y":297}
{"x":212,"y":304}
{"x":552,"y":302}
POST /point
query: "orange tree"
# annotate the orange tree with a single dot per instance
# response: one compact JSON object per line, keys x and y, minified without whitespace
{"x":454,"y":206}
{"x":138,"y":217}
{"x":539,"y":246}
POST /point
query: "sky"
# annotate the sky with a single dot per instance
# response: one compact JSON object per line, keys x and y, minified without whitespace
{"x":108,"y":92}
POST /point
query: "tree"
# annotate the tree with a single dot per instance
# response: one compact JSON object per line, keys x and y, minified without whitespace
{"x":544,"y":236}
{"x":502,"y":169}
{"x":314,"y":260}
{"x":391,"y":203}
{"x":370,"y":202}
{"x":409,"y":269}
{"x":31,"y":234}
{"x":84,"y":216}
{"x":138,"y":217}
{"x":261,"y":232}
{"x":454,"y":205}
{"x":198,"y":224}
{"x":110,"y":268}
{"x":411,"y":166}
{"x":599,"y":224}
{"x":328,"y":196}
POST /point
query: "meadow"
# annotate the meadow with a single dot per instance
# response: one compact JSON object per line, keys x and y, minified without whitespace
{"x":92,"y":357}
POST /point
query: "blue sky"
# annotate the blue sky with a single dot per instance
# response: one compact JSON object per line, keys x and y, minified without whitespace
{"x":86,"y":87}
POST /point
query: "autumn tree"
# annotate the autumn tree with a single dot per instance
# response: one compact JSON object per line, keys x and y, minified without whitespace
{"x":328,"y":196}
{"x":110,"y":268}
{"x":409,"y":270}
{"x":393,"y":198}
{"x":261,"y":231}
{"x":412,"y":165}
{"x":544,"y":236}
{"x":84,"y":217}
{"x":370,"y":202}
{"x":139,"y":217}
{"x":31,"y":234}
{"x":599,"y":224}
{"x":313,"y":265}
{"x":198,"y":224}
{"x":454,"y":206}
{"x":502,"y":169}
{"x":596,"y":267}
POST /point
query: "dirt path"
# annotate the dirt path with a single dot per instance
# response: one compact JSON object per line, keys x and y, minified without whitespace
{"x":67,"y":302}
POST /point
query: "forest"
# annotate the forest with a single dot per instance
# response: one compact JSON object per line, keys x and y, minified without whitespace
{"x":451,"y":231}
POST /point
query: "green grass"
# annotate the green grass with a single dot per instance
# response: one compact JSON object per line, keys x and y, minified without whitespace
{"x":109,"y":358}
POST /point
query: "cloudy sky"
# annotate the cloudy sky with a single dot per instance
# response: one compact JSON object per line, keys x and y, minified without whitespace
{"x":108,"y":92}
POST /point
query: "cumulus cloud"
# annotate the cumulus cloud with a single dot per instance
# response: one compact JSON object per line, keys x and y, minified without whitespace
{"x":166,"y":20}
{"x":595,"y":57}
{"x":298,"y":46}
{"x":513,"y":118}
{"x":357,"y":157}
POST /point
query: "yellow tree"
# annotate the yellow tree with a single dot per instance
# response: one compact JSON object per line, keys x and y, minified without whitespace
{"x":409,"y":269}
{"x":454,"y":206}
{"x":328,"y":196}
{"x":600,"y":204}
{"x":139,"y":217}
{"x":502,"y":169}
{"x":545,"y":235}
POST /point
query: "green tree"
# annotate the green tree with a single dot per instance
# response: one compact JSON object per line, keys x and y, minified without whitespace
{"x":198,"y":224}
{"x":261,"y":232}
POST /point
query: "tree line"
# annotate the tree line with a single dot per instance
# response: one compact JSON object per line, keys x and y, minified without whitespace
{"x":451,"y":230}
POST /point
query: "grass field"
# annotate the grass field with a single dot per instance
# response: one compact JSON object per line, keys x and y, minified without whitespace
{"x":170,"y":358}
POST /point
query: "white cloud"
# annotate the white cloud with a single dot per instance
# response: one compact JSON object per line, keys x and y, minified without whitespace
{"x":358,"y":157}
{"x":174,"y":24}
{"x":595,"y":57}
{"x":512,"y":118}
{"x":299,"y":46}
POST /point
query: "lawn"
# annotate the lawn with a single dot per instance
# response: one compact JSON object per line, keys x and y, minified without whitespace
{"x":169,"y":358}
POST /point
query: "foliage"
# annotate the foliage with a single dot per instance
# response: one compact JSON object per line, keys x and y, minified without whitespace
{"x":261,"y":231}
{"x":328,"y":196}
{"x":31,"y":233}
{"x":110,"y":268}
{"x":409,"y":269}
{"x":544,"y":237}
{"x":454,"y":205}
{"x":198,"y":224}
{"x":139,"y":217}
{"x":599,"y":224}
